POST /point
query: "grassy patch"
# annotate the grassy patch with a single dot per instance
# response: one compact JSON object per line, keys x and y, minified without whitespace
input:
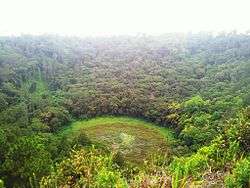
{"x":135,"y":138}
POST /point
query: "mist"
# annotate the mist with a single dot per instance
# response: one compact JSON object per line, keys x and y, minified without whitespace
{"x":120,"y":17}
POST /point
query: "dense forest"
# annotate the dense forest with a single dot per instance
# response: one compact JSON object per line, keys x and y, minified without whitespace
{"x":195,"y":85}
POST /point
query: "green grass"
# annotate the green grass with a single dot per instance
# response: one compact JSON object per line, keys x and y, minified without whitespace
{"x":134,"y":138}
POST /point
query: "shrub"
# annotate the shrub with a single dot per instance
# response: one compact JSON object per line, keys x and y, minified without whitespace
{"x":85,"y":168}
{"x":240,"y":176}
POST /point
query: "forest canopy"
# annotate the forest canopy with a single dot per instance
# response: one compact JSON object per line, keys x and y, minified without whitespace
{"x":197,"y":86}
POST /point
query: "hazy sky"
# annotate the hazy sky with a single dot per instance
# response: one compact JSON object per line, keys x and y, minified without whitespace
{"x":119,"y":17}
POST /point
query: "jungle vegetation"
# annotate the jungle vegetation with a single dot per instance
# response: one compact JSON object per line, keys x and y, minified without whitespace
{"x":129,"y":111}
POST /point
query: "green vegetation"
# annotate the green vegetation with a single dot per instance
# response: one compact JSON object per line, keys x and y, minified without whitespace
{"x":114,"y":120}
{"x":86,"y":168}
{"x":146,"y":111}
{"x":134,"y":138}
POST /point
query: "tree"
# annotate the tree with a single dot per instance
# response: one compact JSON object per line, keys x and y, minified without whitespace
{"x":26,"y":157}
{"x":55,"y":117}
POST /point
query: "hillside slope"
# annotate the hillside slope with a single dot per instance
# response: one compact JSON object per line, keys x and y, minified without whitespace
{"x":197,"y":85}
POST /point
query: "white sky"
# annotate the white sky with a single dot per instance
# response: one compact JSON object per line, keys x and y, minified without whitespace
{"x":119,"y":17}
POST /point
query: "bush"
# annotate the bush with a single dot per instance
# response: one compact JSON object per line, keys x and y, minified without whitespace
{"x":81,"y":139}
{"x":26,"y":157}
{"x":85,"y":168}
{"x":109,"y":178}
{"x":55,"y":117}
{"x":240,"y":176}
{"x":1,"y":184}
